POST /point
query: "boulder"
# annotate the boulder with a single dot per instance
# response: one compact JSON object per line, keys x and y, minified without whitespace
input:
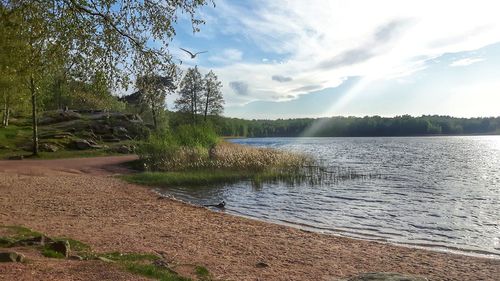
{"x":60,"y":247}
{"x":124,"y":149}
{"x":48,"y":147}
{"x":11,"y":257}
{"x":110,"y":138}
{"x":82,"y":144}
{"x":85,"y":144}
{"x":101,"y":129}
{"x":119,"y":130}
{"x":386,"y":276}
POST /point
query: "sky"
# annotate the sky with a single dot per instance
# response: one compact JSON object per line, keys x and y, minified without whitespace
{"x":316,"y":58}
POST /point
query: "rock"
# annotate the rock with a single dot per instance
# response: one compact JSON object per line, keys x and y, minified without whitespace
{"x":60,"y":247}
{"x":38,"y":240}
{"x":58,"y":135}
{"x":386,"y":276}
{"x":124,"y":149}
{"x":48,"y":147}
{"x":3,"y":146}
{"x":52,"y":117}
{"x":11,"y":257}
{"x":101,"y":129}
{"x":120,"y":130}
{"x":261,"y":264}
{"x":85,"y":144}
{"x":110,"y":138}
{"x":104,"y":259}
{"x":89,"y":135}
{"x":76,"y":257}
{"x":82,"y":144}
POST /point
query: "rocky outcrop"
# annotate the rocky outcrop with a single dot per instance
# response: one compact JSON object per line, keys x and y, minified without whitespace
{"x":11,"y":257}
{"x":85,"y":144}
{"x":61,"y":247}
{"x":124,"y":149}
{"x":48,"y":147}
{"x":52,"y":117}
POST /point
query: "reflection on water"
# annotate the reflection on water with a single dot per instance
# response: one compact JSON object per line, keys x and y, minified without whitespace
{"x":439,"y":192}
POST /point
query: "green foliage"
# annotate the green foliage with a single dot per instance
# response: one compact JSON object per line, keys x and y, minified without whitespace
{"x":129,"y":257}
{"x":213,"y":102}
{"x":358,"y":126}
{"x":196,"y":136}
{"x":154,"y":272}
{"x":199,"y":177}
{"x":190,"y":94}
{"x":46,"y":252}
{"x":202,"y":273}
{"x":15,"y":233}
{"x":172,"y":150}
{"x":75,"y":245}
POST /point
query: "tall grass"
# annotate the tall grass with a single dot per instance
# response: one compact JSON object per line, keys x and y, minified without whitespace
{"x":194,"y":155}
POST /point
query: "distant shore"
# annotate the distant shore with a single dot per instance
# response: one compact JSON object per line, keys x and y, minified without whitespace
{"x":80,"y":198}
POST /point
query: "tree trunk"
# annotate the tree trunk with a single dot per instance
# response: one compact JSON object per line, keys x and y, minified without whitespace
{"x":153,"y":112}
{"x":34,"y":115}
{"x":206,"y":106}
{"x":193,"y":107}
{"x":7,"y":116}
{"x":4,"y":116}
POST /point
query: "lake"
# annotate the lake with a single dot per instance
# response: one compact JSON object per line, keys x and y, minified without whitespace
{"x":441,"y":193}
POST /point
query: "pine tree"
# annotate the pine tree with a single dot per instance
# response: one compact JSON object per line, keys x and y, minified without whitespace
{"x":212,"y":95}
{"x":190,"y":93}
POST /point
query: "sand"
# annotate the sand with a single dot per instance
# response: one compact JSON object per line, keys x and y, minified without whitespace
{"x":83,"y":199}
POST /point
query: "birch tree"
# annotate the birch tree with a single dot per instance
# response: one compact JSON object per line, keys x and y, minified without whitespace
{"x":111,"y":36}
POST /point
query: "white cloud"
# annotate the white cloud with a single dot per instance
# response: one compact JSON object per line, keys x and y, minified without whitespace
{"x":321,"y":42}
{"x":466,"y":61}
{"x":227,"y":56}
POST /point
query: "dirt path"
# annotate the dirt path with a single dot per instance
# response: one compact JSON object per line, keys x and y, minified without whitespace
{"x":80,"y":198}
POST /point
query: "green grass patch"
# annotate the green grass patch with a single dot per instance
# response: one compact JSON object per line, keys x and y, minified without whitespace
{"x":200,"y":177}
{"x":46,"y":252}
{"x":202,"y":273}
{"x":129,"y":257}
{"x":152,"y":271}
{"x":12,"y":135}
{"x":16,"y":232}
{"x":75,"y":245}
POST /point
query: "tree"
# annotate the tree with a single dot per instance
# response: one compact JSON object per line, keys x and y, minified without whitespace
{"x":110,"y":36}
{"x":153,"y":90}
{"x":190,"y":93}
{"x":12,"y":51}
{"x":212,"y":95}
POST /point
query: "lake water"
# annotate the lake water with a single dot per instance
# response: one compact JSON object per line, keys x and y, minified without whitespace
{"x":434,"y":192}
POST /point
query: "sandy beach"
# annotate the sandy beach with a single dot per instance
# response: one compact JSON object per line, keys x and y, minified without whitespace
{"x":83,"y":199}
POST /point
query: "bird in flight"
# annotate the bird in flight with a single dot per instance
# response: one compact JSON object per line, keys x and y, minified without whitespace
{"x":191,"y":54}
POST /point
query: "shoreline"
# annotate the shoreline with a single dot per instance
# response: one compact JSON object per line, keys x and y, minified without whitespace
{"x":83,"y":200}
{"x":434,"y":248}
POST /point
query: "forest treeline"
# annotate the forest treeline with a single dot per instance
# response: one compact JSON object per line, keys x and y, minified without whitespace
{"x":405,"y":125}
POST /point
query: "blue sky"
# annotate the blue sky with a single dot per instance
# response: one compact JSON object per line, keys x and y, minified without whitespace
{"x":286,"y":59}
